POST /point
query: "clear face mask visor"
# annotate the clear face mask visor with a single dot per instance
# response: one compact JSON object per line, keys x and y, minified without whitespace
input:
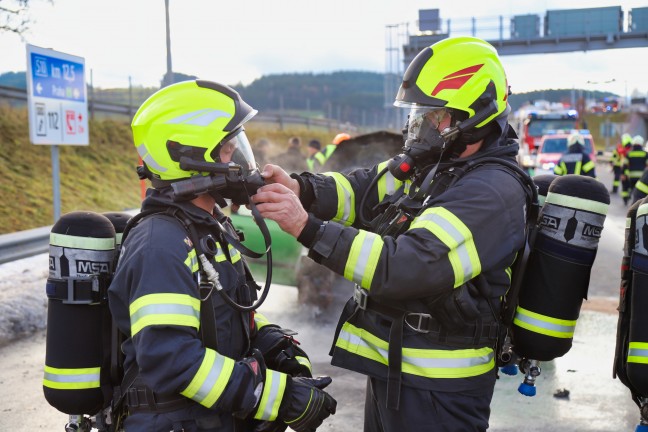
{"x":237,"y":149}
{"x":423,"y":119}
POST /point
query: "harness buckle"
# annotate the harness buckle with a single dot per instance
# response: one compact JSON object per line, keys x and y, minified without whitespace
{"x":360,"y":296}
{"x":422,"y":322}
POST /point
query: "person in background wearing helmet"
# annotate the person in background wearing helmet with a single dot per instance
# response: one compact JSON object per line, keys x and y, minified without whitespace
{"x":635,"y":163}
{"x":618,"y":155}
{"x":315,"y":159}
{"x":430,"y":251}
{"x":576,"y":160}
{"x":201,"y":364}
{"x":330,"y":148}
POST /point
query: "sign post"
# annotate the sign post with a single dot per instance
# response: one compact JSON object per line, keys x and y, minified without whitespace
{"x":57,"y":105}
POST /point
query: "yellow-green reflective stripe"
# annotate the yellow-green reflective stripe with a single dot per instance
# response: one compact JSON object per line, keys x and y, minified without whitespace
{"x":635,"y":173}
{"x":304,"y":362}
{"x":192,"y":261}
{"x":234,"y":254}
{"x":273,"y":391}
{"x":210,"y":380}
{"x":428,"y":363}
{"x":363,"y":258}
{"x":346,"y":199}
{"x":76,"y":242}
{"x":260,"y":320}
{"x":577,"y":203}
{"x":118,"y":238}
{"x":71,"y":379}
{"x":545,"y":325}
{"x":589,"y":166}
{"x":164,"y":309}
{"x":457,"y":237}
{"x":387,"y":184}
{"x":642,"y":187}
{"x":638,"y":352}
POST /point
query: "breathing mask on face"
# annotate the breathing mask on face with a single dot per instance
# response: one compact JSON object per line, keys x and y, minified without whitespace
{"x":427,"y":135}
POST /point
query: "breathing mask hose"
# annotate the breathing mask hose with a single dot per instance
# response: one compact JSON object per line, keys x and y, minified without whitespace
{"x":212,"y":274}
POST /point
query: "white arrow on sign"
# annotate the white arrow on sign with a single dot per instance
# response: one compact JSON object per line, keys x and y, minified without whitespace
{"x":39,"y":88}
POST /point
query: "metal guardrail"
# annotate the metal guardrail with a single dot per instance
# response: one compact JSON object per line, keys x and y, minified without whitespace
{"x":23,"y":244}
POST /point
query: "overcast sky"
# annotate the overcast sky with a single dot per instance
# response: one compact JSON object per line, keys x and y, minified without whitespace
{"x":234,"y":41}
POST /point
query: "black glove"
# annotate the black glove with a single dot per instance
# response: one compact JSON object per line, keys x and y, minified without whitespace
{"x":281,"y":351}
{"x":249,"y":385}
{"x":305,"y":405}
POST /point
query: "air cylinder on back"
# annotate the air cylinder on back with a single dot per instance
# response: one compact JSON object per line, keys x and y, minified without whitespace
{"x":637,"y":359}
{"x":558,"y":272}
{"x":543,"y":182}
{"x":82,"y":248}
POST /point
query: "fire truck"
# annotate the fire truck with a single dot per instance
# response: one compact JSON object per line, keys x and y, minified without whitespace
{"x":532,"y":120}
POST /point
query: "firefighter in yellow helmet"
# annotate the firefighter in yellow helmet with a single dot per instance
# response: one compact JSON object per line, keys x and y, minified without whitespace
{"x":576,"y":160}
{"x":428,"y":237}
{"x":197,"y":356}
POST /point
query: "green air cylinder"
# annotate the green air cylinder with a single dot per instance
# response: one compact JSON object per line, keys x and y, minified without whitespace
{"x":558,"y":272}
{"x":82,"y":248}
{"x":625,"y":288}
{"x":637,"y":359}
{"x":543,"y":182}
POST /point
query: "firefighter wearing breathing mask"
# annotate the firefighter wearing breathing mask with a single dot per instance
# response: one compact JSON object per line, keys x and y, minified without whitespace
{"x":428,"y":237}
{"x":201,"y":362}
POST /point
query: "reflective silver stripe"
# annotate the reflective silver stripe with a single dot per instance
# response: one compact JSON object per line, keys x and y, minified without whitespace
{"x":202,"y":117}
{"x":71,"y":379}
{"x":212,"y":377}
{"x":273,"y":390}
{"x":542,"y":324}
{"x":146,"y":157}
{"x":363,"y":258}
{"x":66,"y":378}
{"x":635,"y":352}
{"x":164,"y":309}
{"x":210,"y":380}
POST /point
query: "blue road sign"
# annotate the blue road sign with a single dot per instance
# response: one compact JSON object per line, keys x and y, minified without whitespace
{"x":57,"y":78}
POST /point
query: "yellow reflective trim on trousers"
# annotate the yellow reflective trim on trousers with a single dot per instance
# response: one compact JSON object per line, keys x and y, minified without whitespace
{"x":164,"y":309}
{"x":462,"y":252}
{"x":71,"y":379}
{"x":638,"y":352}
{"x":363,"y":258}
{"x":211,"y":379}
{"x":543,"y":324}
{"x":346,"y":199}
{"x":560,"y":169}
{"x":427,"y":363}
{"x":192,"y":261}
{"x":76,"y":242}
{"x":576,"y":203}
{"x":589,"y":166}
{"x":273,"y":392}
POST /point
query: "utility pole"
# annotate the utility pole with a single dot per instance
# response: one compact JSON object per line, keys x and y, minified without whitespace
{"x":168,"y":77}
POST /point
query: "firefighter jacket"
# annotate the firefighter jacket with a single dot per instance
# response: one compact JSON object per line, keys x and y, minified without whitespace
{"x":575,"y":161}
{"x":156,"y":303}
{"x":635,"y":164}
{"x":618,"y":154}
{"x":315,"y":162}
{"x":461,"y":234}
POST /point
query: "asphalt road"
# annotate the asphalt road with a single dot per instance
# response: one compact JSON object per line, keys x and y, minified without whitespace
{"x":596,"y":401}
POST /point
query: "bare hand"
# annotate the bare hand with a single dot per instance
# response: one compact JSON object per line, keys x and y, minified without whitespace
{"x":280,"y":204}
{"x":275,"y":174}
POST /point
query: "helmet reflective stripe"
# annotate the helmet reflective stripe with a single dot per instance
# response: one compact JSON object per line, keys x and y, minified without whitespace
{"x":543,"y":324}
{"x":428,"y":363}
{"x":164,"y":309}
{"x":71,"y":379}
{"x":462,"y":252}
{"x":273,"y":392}
{"x":638,"y":352}
{"x":346,"y":199}
{"x":76,"y":242}
{"x":209,"y":382}
{"x":148,"y":159}
{"x":192,"y":261}
{"x":363,"y":258}
{"x":200,"y":118}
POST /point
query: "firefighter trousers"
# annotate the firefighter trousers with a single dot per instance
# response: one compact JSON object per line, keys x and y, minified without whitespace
{"x":426,"y":411}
